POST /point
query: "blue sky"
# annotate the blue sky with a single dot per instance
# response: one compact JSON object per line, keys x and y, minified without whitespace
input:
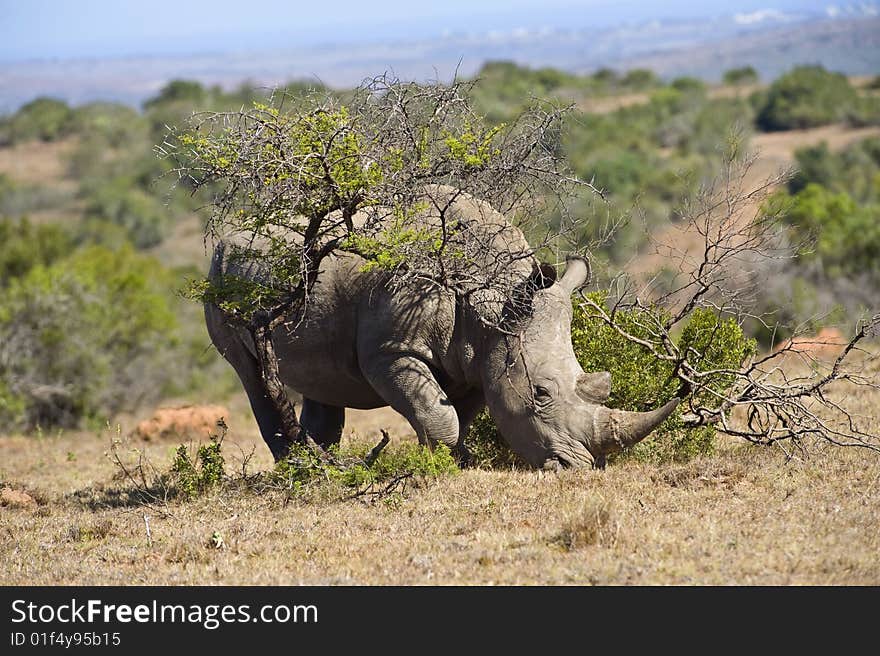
{"x":47,"y":29}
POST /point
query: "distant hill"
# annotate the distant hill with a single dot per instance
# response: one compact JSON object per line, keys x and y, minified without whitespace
{"x":771,"y":42}
{"x":848,"y":46}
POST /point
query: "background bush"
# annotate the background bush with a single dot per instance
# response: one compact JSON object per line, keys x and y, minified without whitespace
{"x":807,"y":97}
{"x":46,"y":119}
{"x":740,"y":76}
{"x":81,"y":338}
{"x":24,"y":246}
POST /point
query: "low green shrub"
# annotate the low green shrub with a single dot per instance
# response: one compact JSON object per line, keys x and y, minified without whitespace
{"x":142,"y":216}
{"x":641,"y":382}
{"x":194,"y":477}
{"x":303,"y":470}
{"x":487,"y":448}
{"x":843,"y":236}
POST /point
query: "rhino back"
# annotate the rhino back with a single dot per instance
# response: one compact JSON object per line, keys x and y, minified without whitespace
{"x":353,"y":314}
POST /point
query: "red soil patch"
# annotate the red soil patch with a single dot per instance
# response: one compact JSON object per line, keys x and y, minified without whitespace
{"x":825,"y":345}
{"x":191,"y":421}
{"x":15,"y":499}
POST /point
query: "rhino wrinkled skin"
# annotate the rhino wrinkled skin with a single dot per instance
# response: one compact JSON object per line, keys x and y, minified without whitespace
{"x":436,"y":359}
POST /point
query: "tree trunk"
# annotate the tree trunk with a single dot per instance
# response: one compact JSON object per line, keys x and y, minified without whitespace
{"x":290,"y":430}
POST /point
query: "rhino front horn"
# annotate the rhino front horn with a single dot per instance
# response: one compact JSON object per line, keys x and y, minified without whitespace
{"x":619,"y":428}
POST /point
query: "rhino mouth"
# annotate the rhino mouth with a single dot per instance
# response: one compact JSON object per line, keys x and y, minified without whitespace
{"x":572,"y":456}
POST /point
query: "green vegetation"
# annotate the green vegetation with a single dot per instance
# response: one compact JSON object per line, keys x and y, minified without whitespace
{"x":845,"y":236}
{"x":18,"y":199}
{"x":832,"y":205}
{"x":24,"y":246}
{"x":192,"y":478}
{"x":641,"y":382}
{"x":80,"y":338}
{"x":140,"y":216}
{"x":342,"y":473}
{"x":740,"y":76}
{"x":486,"y":447}
{"x":505,"y":88}
{"x":349,"y":471}
{"x":807,"y":97}
{"x":46,"y":119}
{"x":121,"y":190}
{"x":854,"y":170}
{"x":623,"y":152}
{"x":639,"y":79}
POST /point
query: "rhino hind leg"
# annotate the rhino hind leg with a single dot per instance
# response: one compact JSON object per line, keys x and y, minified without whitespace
{"x":407,"y":385}
{"x":323,"y":422}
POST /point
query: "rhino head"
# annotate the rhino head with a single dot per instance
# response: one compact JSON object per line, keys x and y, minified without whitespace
{"x":548,"y":409}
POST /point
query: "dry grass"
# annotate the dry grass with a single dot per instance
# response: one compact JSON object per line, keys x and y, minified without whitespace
{"x":38,"y":162}
{"x":611,"y":103}
{"x":743,"y":516}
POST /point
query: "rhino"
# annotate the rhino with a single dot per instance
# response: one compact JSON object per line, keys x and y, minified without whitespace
{"x":430,"y":352}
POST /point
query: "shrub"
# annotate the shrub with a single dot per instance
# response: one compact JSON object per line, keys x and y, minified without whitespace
{"x":115,"y":125}
{"x":20,"y":199}
{"x":207,"y":472}
{"x":846,"y":235}
{"x":120,"y":203}
{"x":303,"y":470}
{"x":506,"y":87}
{"x":714,"y":122}
{"x":864,"y":111}
{"x":605,"y":76}
{"x":486,"y":446}
{"x":178,"y":90}
{"x":740,"y":76}
{"x":688,"y":84}
{"x":641,"y":382}
{"x":84,"y":337}
{"x":639,"y":78}
{"x":806,"y":97}
{"x":47,"y":119}
{"x":24,"y":246}
{"x":855,"y":170}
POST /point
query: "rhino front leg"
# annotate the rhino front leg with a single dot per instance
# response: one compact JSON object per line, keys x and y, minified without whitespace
{"x":407,"y":385}
{"x":467,"y":408}
{"x":265,"y":412}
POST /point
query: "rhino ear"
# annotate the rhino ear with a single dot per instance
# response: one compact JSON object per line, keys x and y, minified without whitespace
{"x":594,"y":387}
{"x":543,"y":276}
{"x":577,"y":273}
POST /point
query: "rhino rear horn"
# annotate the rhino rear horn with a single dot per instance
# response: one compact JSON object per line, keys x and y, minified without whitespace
{"x":594,"y":387}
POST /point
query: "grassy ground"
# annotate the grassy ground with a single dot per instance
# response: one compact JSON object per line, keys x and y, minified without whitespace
{"x":743,"y":516}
